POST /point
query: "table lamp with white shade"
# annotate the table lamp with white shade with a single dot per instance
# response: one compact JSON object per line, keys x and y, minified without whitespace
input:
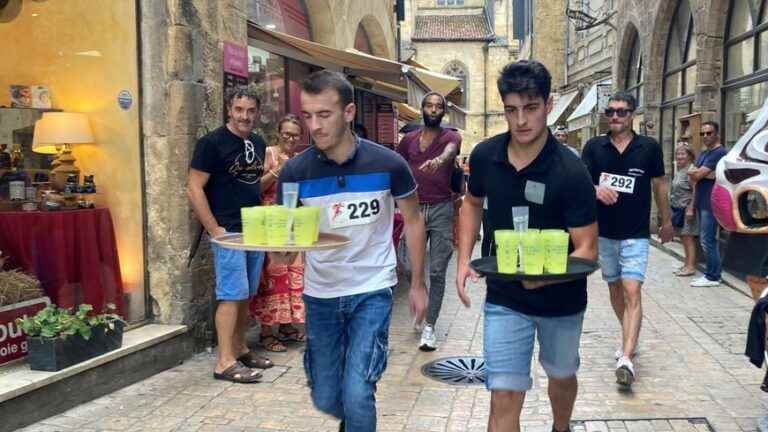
{"x":60,"y":130}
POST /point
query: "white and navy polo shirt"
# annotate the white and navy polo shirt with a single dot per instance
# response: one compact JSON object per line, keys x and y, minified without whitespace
{"x":357,"y":199}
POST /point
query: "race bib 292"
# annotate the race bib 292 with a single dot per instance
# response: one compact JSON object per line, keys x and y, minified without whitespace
{"x":618,"y":183}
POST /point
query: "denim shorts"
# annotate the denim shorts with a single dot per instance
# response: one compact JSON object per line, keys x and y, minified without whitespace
{"x":237,"y":273}
{"x":623,"y":259}
{"x":508,"y":346}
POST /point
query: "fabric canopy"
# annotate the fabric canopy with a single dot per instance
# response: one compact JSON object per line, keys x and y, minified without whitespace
{"x":562,"y":105}
{"x":355,"y":63}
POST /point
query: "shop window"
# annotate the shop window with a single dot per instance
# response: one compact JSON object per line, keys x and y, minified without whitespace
{"x":267,"y":72}
{"x":741,"y":18}
{"x":287,"y":16}
{"x":634,"y":75}
{"x":741,"y":59}
{"x":741,"y":107}
{"x":746,"y":61}
{"x":66,"y":91}
{"x":680,"y":58}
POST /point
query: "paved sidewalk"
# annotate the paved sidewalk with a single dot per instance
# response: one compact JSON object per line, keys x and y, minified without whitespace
{"x":690,"y":365}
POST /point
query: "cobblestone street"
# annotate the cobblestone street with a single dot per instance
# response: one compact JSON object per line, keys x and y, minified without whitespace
{"x":690,"y":366}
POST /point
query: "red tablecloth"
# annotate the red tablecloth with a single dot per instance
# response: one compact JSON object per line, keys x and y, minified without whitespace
{"x":72,"y":252}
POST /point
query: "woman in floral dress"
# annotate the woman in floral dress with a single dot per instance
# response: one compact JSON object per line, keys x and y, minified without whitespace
{"x":278,"y":301}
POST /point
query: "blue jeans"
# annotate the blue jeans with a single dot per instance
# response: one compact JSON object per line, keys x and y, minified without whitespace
{"x":347,"y":339}
{"x":508,"y":346}
{"x":708,"y":235}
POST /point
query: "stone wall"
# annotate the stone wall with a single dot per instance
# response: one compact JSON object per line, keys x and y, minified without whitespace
{"x":549,"y":38}
{"x":181,"y":73}
{"x":650,"y":19}
{"x":181,"y":43}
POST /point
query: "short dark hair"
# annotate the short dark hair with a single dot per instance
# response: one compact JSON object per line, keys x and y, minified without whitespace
{"x":242,"y":91}
{"x":433,"y":93}
{"x":622,"y":96}
{"x":527,"y":77}
{"x":715,"y":125}
{"x":323,"y":80}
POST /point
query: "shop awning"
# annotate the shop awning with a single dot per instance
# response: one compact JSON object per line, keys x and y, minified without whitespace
{"x":406,"y":112}
{"x":354,"y":63}
{"x":563,"y":103}
{"x":582,"y":115}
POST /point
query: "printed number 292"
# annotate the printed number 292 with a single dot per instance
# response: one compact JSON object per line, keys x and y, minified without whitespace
{"x":363,"y":209}
{"x":622,"y":182}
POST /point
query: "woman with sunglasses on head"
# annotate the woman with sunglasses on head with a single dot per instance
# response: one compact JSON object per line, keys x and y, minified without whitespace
{"x":683,"y":214}
{"x":278,"y":301}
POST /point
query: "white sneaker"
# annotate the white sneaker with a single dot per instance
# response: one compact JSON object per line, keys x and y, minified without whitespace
{"x":704,"y":282}
{"x":428,"y":339}
{"x":625,"y":372}
{"x":619,"y":353}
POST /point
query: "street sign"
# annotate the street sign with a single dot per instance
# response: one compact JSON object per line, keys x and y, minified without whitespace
{"x":13,"y":342}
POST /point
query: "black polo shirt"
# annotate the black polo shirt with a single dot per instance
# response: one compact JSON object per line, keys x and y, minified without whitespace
{"x":559,"y":194}
{"x":642,"y":160}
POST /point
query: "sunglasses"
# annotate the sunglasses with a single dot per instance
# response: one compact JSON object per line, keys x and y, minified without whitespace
{"x":621,"y":112}
{"x":706,"y":133}
{"x":290,"y":137}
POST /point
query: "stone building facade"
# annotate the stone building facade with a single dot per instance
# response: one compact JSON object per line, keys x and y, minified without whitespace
{"x":182,"y":98}
{"x":470,"y":39}
{"x":588,"y":62}
{"x":691,"y":61}
{"x":544,"y":35}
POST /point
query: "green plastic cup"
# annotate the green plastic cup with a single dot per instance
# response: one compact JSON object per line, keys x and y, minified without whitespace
{"x":507,"y":242}
{"x":316,"y":215}
{"x":254,"y":225}
{"x":304,"y":226}
{"x":277,"y":223}
{"x":556,"y":244}
{"x":534,"y":252}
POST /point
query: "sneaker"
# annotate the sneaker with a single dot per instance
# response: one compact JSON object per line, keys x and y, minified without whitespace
{"x":625,"y":372}
{"x":704,"y":282}
{"x":619,"y":353}
{"x":428,"y":339}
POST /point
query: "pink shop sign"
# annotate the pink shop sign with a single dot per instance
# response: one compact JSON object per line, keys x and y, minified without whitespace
{"x":235,"y":59}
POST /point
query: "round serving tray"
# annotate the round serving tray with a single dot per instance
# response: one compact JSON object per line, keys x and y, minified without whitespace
{"x":325,"y":241}
{"x":577,"y":267}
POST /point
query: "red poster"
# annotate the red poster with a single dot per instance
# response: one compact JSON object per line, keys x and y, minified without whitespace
{"x":13,"y":342}
{"x":235,"y":59}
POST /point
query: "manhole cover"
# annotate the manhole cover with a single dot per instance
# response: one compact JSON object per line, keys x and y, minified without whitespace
{"x":462,"y":370}
{"x":697,"y":424}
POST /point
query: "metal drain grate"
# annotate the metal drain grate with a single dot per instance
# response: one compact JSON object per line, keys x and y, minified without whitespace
{"x":697,"y":424}
{"x":463,"y":370}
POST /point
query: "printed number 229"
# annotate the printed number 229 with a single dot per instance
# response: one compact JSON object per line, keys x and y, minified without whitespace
{"x":363,"y":209}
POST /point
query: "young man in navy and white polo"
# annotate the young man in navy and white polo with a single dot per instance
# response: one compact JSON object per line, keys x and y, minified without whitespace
{"x":348,"y":291}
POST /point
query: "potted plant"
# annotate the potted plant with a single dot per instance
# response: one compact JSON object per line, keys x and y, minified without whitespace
{"x":58,"y":338}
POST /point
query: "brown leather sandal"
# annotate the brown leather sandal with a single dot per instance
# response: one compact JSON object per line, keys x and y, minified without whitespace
{"x":293,"y":335}
{"x":238,"y":373}
{"x":273,"y":344}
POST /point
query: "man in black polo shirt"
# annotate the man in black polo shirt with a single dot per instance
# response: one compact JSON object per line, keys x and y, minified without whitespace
{"x":526,"y":166}
{"x":624,"y":167}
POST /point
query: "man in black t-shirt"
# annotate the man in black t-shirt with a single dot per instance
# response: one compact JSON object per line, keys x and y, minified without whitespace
{"x":224,"y":176}
{"x":526,"y":166}
{"x":625,"y":167}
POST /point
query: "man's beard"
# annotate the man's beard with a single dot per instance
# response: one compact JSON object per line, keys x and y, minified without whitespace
{"x":432,"y":122}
